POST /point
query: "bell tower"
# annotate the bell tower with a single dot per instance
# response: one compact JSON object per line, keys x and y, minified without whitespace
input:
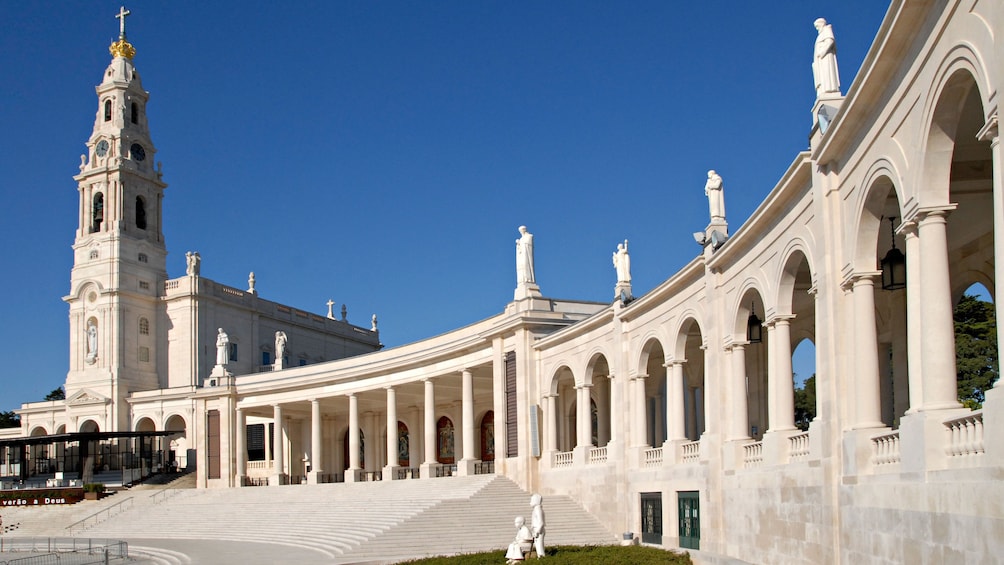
{"x":119,"y":255}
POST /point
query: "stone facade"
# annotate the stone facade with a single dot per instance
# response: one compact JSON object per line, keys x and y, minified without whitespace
{"x":673,"y":392}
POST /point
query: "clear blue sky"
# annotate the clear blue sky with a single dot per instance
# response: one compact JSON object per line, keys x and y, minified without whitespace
{"x":382,"y":154}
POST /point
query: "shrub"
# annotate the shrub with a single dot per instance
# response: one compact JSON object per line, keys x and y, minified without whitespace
{"x":94,"y":487}
{"x":571,"y":555}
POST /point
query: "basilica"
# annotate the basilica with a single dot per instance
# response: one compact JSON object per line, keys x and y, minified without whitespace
{"x":670,"y":414}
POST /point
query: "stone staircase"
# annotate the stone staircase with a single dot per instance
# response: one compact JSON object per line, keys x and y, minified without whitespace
{"x":336,"y":523}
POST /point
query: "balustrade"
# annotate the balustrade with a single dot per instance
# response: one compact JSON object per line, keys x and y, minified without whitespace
{"x":885,"y":449}
{"x":798,"y":447}
{"x":965,"y":435}
{"x":563,"y":459}
{"x":753,"y":454}
{"x":653,"y":457}
{"x":690,"y":452}
{"x":598,"y":454}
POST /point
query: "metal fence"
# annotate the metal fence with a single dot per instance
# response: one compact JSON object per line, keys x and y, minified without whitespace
{"x":61,"y":551}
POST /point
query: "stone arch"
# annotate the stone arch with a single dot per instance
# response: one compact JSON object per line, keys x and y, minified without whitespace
{"x":597,"y":375}
{"x":961,"y":69}
{"x":688,"y":399}
{"x":751,"y":302}
{"x":563,"y":420}
{"x":882,"y":197}
{"x":89,"y":426}
{"x":179,"y":446}
{"x":144,"y":424}
{"x":796,"y":268}
{"x":650,"y":431}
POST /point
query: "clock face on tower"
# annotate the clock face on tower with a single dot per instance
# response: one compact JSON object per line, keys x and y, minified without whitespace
{"x":102,"y":148}
{"x":138,"y":153}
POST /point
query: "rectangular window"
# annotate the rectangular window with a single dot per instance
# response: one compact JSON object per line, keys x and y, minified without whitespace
{"x":144,"y":285}
{"x":511,"y":414}
{"x":266,"y":359}
{"x":213,"y":443}
{"x":233,"y":351}
{"x":689,"y":517}
{"x":256,"y":442}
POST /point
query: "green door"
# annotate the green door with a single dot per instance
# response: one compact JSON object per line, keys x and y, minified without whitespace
{"x":690,"y":519}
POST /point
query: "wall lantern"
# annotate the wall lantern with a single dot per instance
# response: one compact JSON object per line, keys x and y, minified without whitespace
{"x":893,"y":264}
{"x":754,"y":327}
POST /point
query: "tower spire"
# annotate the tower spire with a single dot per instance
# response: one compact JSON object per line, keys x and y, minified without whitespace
{"x":122,"y":48}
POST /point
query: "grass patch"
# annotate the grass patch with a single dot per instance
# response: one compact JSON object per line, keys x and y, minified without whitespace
{"x":572,"y":555}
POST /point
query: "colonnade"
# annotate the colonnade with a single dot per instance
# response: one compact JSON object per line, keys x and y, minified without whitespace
{"x":313,"y":438}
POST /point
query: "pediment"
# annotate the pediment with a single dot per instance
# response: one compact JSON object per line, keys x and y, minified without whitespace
{"x":86,"y":396}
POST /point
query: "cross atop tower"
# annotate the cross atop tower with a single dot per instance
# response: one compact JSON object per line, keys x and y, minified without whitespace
{"x":121,"y":16}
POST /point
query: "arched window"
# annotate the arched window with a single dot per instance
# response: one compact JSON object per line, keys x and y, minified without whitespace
{"x":135,"y":113}
{"x":108,"y":110}
{"x":140,"y":213}
{"x":445,"y":441}
{"x":144,"y":326}
{"x":97,"y":212}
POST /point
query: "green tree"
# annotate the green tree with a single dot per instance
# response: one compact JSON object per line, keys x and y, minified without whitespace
{"x":805,"y":403}
{"x":56,"y":394}
{"x":10,"y":420}
{"x":975,"y":349}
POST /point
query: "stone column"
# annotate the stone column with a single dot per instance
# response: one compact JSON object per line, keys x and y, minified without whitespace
{"x":740,"y":429}
{"x":640,"y":426}
{"x":782,"y":379}
{"x":466,"y":464}
{"x":552,"y":419}
{"x":351,"y":474}
{"x":316,"y":445}
{"x":429,"y":431}
{"x":937,"y":317}
{"x":278,"y":453}
{"x":676,"y":413}
{"x":914,"y":331}
{"x":614,"y":413}
{"x":241,"y":447}
{"x":583,"y":417}
{"x":990,"y":132}
{"x":690,"y":400}
{"x":868,"y":413}
{"x":392,"y":461}
{"x":603,"y":414}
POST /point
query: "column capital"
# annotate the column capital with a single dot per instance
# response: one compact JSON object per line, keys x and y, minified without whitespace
{"x":584,"y":385}
{"x":780,"y":319}
{"x":389,"y":388}
{"x":930,"y":214}
{"x":989,"y":131}
{"x":858,"y":278}
{"x":907,"y":228}
{"x":670,"y":362}
{"x":315,"y":401}
{"x":736,"y":346}
{"x":640,"y":376}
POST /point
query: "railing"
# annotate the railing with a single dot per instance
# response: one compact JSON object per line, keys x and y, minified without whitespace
{"x":598,"y":454}
{"x":231,"y":291}
{"x":753,"y":454}
{"x":171,"y":285}
{"x":255,"y":481}
{"x":484,"y":468}
{"x":445,"y":470}
{"x":372,"y":476}
{"x":563,"y":459}
{"x":164,"y":493}
{"x":54,"y":546}
{"x":690,"y":452}
{"x":264,"y":368}
{"x":653,"y":457}
{"x":885,"y":449}
{"x":798,"y":447}
{"x":101,"y":515}
{"x":965,"y":435}
{"x":404,"y":473}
